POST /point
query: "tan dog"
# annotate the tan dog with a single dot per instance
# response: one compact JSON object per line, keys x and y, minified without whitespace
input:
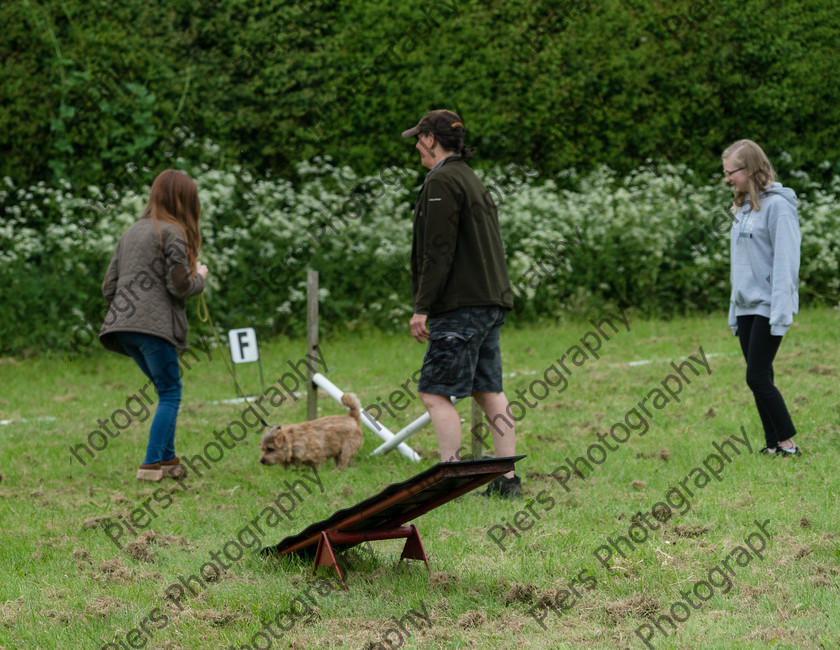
{"x":313,"y":442}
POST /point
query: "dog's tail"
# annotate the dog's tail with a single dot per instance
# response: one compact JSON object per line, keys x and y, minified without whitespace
{"x":352,"y":402}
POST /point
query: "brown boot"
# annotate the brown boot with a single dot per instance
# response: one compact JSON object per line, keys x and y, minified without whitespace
{"x":150,"y":472}
{"x":173,"y":468}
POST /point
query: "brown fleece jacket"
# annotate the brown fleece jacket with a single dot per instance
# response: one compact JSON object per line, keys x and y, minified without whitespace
{"x":146,"y":284}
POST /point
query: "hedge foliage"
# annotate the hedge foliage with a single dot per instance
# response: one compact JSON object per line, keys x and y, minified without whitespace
{"x":91,"y":86}
{"x":655,"y":239}
{"x":288,"y":114}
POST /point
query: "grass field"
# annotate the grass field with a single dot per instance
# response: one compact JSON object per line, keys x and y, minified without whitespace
{"x":750,"y":544}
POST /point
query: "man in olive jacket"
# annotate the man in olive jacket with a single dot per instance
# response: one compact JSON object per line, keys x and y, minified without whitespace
{"x":460,"y":291}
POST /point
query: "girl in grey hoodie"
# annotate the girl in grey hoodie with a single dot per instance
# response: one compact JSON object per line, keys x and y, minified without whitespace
{"x":765,"y":280}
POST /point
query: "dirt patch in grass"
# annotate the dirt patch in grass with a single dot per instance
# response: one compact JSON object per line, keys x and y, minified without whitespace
{"x":471,"y":620}
{"x":683,"y":530}
{"x":514,"y":623}
{"x":214,"y":617}
{"x":444,"y":581}
{"x":663,"y":454}
{"x":530,"y":595}
{"x":104,"y":605}
{"x":520,"y":593}
{"x":59,"y":616}
{"x":825,"y":576}
{"x":772,"y":635}
{"x":114,"y":571}
{"x":82,"y":558}
{"x":9,"y":611}
{"x":95,"y":522}
{"x":151,"y":536}
{"x":756,"y":592}
{"x":445,"y":533}
{"x":636,"y":605}
{"x":139,"y":550}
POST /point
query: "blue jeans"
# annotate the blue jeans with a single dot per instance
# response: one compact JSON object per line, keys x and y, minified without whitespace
{"x":158,"y":360}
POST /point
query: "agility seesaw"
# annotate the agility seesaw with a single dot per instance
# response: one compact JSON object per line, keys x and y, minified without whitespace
{"x":382,"y":516}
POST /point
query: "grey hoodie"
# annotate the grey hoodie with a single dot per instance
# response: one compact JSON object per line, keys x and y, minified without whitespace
{"x":765,"y":260}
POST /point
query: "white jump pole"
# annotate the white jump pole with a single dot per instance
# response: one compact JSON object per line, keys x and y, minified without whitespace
{"x":335,"y":392}
{"x":407,"y":432}
{"x":388,"y":445}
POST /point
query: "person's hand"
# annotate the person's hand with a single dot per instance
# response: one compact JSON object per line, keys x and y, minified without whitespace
{"x":201,"y":270}
{"x":418,"y":328}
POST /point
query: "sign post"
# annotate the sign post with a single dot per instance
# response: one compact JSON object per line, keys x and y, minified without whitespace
{"x":244,"y":349}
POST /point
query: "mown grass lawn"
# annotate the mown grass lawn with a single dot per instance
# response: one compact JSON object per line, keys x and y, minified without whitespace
{"x":540,"y":584}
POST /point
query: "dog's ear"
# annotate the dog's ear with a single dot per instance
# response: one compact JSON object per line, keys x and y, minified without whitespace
{"x":267,"y":437}
{"x":284,"y":445}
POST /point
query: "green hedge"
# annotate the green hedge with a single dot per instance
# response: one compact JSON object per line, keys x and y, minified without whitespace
{"x":93,"y":86}
{"x":654,"y":240}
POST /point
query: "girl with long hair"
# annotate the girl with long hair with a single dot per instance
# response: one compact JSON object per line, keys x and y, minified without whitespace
{"x":154,"y":268}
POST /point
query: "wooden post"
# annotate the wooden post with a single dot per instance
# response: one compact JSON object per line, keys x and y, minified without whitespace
{"x":477,"y":446}
{"x":311,"y":341}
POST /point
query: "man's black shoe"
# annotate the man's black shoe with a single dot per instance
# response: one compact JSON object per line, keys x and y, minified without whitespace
{"x":505,"y":488}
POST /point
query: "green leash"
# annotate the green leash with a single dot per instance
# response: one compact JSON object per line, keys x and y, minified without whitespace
{"x":203,"y":313}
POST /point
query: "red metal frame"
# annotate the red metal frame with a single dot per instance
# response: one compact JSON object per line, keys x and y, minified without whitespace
{"x":325,"y":556}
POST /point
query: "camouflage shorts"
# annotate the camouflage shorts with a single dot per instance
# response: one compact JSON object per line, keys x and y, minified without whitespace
{"x":463,"y":354}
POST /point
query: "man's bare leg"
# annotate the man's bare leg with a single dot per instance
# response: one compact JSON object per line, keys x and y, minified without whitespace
{"x":447,"y":424}
{"x":504,"y":439}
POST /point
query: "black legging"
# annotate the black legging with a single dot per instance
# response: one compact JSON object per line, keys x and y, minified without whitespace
{"x":760,"y":347}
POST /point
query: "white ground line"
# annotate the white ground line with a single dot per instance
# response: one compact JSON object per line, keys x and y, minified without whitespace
{"x":644,"y":362}
{"x":47,"y":418}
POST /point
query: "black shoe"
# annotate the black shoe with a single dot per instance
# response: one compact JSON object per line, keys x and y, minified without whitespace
{"x":784,"y":452}
{"x":766,"y":451}
{"x":505,"y":488}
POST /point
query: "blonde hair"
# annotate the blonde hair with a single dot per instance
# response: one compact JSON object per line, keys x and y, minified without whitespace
{"x":760,"y":173}
{"x":174,"y":199}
